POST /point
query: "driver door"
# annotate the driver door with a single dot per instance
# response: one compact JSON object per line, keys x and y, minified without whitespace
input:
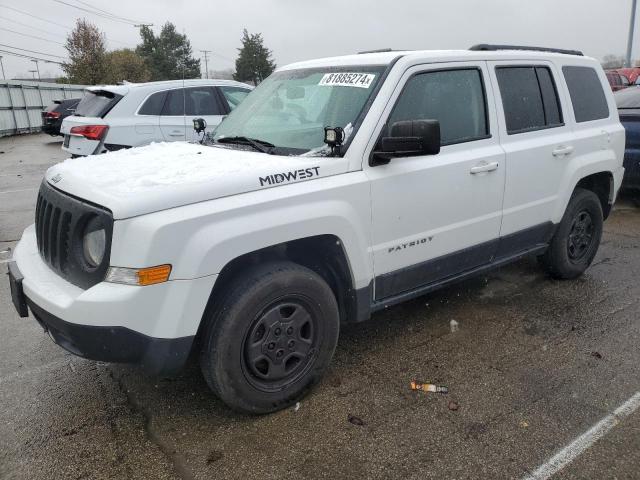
{"x":435,"y":216}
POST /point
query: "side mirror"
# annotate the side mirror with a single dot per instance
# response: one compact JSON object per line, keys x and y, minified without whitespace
{"x":408,"y":138}
{"x":199,"y":125}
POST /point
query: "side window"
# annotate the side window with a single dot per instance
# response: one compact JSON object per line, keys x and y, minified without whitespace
{"x":234,"y":95}
{"x":587,"y":96}
{"x":153,"y":104}
{"x":529,"y":98}
{"x":453,"y":97}
{"x":202,"y":101}
{"x":175,"y":103}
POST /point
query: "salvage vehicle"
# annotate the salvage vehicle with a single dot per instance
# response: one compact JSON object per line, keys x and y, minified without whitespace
{"x":114,"y":117}
{"x":337,"y":188}
{"x":54,"y":114}
{"x":628,"y":102}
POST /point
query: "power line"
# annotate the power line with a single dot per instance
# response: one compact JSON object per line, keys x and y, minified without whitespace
{"x":34,"y":16}
{"x":32,"y":36}
{"x":29,"y":57}
{"x":31,"y":51}
{"x":105,"y":12}
{"x":98,"y":14}
{"x":29,"y":26}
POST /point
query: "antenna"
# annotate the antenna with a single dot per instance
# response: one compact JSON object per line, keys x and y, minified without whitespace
{"x":184,"y":93}
{"x":206,"y":62}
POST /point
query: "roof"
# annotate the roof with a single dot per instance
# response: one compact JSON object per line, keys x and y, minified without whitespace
{"x":123,"y":89}
{"x":386,"y":57}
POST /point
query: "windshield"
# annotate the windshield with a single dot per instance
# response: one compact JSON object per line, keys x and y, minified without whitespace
{"x":291,"y":108}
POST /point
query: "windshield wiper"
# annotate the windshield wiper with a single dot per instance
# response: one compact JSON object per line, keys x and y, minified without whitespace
{"x":259,"y":145}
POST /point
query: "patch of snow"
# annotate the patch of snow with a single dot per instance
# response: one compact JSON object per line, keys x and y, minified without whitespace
{"x":162,"y":164}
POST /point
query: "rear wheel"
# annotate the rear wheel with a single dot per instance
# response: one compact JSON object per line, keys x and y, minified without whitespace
{"x":270,"y":337}
{"x":577,"y":238}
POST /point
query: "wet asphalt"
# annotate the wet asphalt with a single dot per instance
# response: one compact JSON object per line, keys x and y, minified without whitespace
{"x":533,"y":364}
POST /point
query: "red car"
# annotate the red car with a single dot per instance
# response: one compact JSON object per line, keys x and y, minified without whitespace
{"x":631,"y":73}
{"x":617,"y":81}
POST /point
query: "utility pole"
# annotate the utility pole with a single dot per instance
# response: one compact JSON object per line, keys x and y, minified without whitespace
{"x":2,"y":65}
{"x":632,"y":24}
{"x":37,"y":68}
{"x":206,"y":62}
{"x":33,"y":72}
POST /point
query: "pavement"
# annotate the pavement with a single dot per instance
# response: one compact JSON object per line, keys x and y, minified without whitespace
{"x":534,"y":364}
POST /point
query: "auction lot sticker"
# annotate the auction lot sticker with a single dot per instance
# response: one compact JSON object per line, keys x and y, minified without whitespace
{"x":345,"y":79}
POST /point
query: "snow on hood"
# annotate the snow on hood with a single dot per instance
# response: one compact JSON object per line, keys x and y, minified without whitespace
{"x":165,"y":175}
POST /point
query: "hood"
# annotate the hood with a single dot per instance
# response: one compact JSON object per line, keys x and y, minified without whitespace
{"x":166,"y":175}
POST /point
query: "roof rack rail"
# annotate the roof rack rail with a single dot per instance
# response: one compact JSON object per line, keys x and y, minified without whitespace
{"x":379,"y":50}
{"x":492,"y":48}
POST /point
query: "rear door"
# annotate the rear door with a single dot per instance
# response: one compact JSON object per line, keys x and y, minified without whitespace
{"x":172,"y":119}
{"x":203,"y":102}
{"x":538,"y":146}
{"x":185,"y":104}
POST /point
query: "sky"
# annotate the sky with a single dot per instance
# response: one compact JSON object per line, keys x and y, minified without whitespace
{"x":304,"y":29}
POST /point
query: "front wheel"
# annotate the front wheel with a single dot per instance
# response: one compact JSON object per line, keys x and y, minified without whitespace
{"x":270,"y":337}
{"x":577,"y":237}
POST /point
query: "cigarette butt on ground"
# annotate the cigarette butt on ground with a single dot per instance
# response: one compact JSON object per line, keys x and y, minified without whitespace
{"x":428,"y":387}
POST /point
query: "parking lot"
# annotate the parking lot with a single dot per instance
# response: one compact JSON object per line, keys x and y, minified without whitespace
{"x":533,"y":364}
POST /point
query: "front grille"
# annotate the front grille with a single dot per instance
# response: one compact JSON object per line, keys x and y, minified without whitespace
{"x":60,"y":222}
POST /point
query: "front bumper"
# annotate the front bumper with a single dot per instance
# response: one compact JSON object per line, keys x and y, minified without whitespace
{"x":153,"y":326}
{"x":161,"y":356}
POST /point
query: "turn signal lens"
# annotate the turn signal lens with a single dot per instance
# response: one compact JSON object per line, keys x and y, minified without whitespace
{"x":139,"y":276}
{"x":149,"y":276}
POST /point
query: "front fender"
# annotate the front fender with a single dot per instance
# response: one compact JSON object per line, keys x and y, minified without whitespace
{"x":200,"y":239}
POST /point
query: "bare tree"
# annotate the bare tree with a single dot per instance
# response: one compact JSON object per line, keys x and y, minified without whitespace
{"x":612,"y":61}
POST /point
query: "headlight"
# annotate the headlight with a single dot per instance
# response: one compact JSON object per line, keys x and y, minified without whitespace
{"x":94,"y":240}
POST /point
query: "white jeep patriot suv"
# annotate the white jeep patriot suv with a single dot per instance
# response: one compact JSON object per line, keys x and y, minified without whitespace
{"x":338,"y":187}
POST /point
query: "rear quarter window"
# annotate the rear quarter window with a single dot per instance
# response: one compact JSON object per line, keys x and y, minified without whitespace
{"x":153,"y":105}
{"x":587,"y":96}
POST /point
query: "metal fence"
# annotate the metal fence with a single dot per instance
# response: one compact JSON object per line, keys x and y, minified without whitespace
{"x":21,"y":103}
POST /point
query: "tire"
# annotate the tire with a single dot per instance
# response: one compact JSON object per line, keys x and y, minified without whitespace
{"x":577,"y":238}
{"x":270,"y":337}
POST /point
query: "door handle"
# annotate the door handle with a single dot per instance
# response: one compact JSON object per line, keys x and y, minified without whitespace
{"x":562,"y":151}
{"x":484,"y":167}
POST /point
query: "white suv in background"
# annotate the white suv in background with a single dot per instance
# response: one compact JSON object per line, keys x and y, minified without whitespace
{"x":113,"y":117}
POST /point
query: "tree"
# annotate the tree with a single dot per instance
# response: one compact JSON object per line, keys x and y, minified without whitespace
{"x":612,"y":61}
{"x":86,"y":48}
{"x":125,"y":64}
{"x":168,"y":55}
{"x":254,"y":62}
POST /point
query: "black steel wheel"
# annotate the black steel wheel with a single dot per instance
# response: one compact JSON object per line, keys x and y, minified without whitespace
{"x":269,"y":336}
{"x":580,"y":236}
{"x":577,"y":237}
{"x":281,"y":343}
